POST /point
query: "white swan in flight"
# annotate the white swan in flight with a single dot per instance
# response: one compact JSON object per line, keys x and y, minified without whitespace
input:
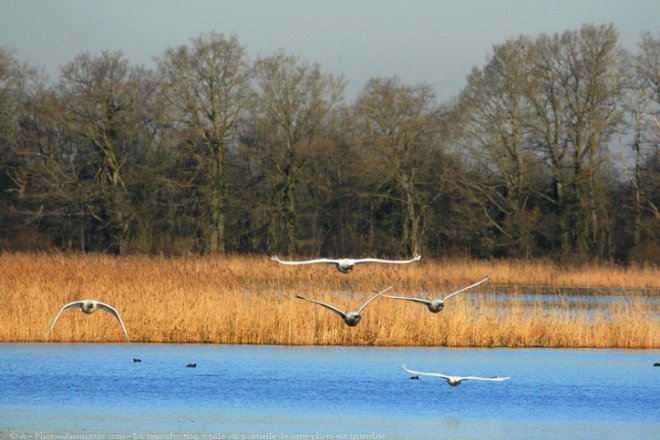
{"x":438,"y":304}
{"x":455,"y":380}
{"x":345,"y":265}
{"x":89,"y":306}
{"x":350,"y":318}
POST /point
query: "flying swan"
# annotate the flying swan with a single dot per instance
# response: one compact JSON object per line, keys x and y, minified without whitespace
{"x":345,"y":265}
{"x":89,"y":306}
{"x":438,"y":304}
{"x":350,"y":318}
{"x":455,"y":380}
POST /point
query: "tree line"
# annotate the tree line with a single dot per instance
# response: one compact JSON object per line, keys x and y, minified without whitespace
{"x":550,"y":150}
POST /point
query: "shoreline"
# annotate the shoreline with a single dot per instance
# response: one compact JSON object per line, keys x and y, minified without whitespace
{"x":54,"y":343}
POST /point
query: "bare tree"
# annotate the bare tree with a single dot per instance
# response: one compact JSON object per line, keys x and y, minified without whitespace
{"x":98,"y":108}
{"x":543,"y":89}
{"x":494,"y":116}
{"x":19,"y":85}
{"x":647,"y":65}
{"x":594,"y":90}
{"x":576,"y":86}
{"x":207,"y":86}
{"x":398,"y":124}
{"x":294,"y":103}
{"x":643,"y":107}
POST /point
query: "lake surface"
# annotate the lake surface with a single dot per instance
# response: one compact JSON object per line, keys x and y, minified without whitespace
{"x":96,"y":391}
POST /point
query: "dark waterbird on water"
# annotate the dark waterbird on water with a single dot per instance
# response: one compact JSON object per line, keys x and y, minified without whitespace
{"x":191,"y":365}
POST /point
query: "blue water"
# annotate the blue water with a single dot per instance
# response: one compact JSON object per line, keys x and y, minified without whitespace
{"x":96,"y":391}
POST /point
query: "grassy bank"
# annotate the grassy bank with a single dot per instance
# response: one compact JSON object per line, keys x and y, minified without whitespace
{"x":250,"y":300}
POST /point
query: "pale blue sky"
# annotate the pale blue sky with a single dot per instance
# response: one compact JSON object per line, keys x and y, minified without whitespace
{"x":431,"y":41}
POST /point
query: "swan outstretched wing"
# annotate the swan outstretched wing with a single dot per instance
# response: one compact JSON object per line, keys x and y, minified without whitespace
{"x":491,"y":379}
{"x":315,"y":261}
{"x":372,"y":298}
{"x":421,"y":373}
{"x":407,"y":298}
{"x":379,"y":260}
{"x":466,"y":288}
{"x":65,"y":307}
{"x":327,"y":306}
{"x":115,"y":313}
{"x":456,"y":378}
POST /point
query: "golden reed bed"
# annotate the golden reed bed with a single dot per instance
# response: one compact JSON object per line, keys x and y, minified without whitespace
{"x":250,"y":300}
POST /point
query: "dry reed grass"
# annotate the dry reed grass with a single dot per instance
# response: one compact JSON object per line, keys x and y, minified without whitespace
{"x":250,"y":300}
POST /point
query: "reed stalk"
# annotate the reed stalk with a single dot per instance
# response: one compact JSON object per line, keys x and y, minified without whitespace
{"x":250,"y":300}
